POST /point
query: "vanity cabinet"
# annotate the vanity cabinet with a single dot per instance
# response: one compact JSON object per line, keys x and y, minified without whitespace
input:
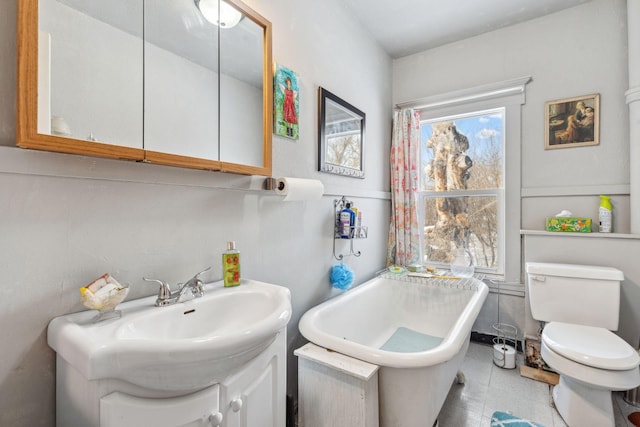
{"x":195,"y":410}
{"x":253,"y":395}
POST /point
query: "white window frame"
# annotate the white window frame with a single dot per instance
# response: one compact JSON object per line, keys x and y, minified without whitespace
{"x":509,"y":95}
{"x":498,"y":193}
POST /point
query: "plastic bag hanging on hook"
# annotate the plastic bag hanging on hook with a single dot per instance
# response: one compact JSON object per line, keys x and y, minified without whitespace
{"x":341,"y":277}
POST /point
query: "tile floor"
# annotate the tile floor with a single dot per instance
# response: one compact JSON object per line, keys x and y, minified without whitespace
{"x":489,"y":388}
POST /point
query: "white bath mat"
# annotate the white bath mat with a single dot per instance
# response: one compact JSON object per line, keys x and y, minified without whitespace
{"x":405,"y":340}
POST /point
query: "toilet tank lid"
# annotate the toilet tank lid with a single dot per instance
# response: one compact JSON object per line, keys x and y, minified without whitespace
{"x":574,"y":270}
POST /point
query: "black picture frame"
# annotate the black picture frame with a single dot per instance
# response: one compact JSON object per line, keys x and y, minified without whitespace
{"x":341,"y":129}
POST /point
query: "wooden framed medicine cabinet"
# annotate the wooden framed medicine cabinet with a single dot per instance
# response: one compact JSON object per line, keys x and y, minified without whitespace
{"x":150,"y":81}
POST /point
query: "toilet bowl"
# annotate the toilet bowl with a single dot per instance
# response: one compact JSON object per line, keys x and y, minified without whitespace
{"x":578,"y":343}
{"x":591,"y":362}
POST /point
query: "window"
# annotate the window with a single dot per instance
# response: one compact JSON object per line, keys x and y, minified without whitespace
{"x":479,"y":202}
{"x":461,"y":196}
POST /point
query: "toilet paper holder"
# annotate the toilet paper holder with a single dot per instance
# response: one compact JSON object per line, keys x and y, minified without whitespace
{"x":504,"y":345}
{"x":270,"y":184}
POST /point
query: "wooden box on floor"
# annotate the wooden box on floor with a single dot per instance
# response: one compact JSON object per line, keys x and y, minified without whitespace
{"x":535,"y":367}
{"x":335,"y":390}
{"x":532,"y":356}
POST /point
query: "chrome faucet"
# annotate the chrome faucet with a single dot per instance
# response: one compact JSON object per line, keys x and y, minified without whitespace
{"x":167,"y":297}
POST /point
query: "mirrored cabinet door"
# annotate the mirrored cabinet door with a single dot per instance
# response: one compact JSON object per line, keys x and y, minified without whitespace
{"x":91,"y":78}
{"x":181,"y":83}
{"x":243,"y":81}
{"x":80,"y":83}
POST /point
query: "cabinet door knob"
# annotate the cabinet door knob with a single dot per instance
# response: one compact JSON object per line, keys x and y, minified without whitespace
{"x":236,"y":404}
{"x":215,"y":419}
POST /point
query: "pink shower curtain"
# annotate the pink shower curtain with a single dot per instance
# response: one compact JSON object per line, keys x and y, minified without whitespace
{"x":404,"y":234}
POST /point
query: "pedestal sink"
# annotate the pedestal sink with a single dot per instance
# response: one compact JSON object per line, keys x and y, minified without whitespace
{"x":176,"y":349}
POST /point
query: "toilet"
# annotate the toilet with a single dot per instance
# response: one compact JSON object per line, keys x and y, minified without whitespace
{"x":580,"y":305}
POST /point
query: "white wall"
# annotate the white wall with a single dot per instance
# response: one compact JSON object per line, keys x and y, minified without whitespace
{"x":65,"y":219}
{"x":567,"y":54}
{"x":577,"y":51}
{"x":176,"y":108}
{"x":241,"y":112}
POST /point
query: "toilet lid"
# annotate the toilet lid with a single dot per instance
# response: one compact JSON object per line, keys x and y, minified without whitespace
{"x":591,"y":346}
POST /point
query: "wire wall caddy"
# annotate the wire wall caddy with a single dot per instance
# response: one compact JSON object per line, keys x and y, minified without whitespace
{"x":347,"y":225}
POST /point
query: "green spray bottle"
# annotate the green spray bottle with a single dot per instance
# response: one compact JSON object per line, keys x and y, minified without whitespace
{"x":605,"y":214}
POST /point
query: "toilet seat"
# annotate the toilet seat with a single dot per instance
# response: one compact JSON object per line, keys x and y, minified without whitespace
{"x":583,"y":394}
{"x":591,"y":346}
{"x":595,"y":378}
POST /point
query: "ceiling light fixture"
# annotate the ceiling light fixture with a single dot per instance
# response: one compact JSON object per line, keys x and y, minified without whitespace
{"x":228,"y":16}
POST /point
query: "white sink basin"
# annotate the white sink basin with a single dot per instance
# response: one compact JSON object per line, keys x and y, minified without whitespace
{"x":181,"y":347}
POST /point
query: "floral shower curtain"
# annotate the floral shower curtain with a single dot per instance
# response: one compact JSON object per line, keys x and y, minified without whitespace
{"x":404,"y":234}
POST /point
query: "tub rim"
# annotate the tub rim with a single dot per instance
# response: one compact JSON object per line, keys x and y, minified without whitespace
{"x":445,"y":351}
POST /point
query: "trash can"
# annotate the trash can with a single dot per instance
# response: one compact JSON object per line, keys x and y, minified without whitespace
{"x":632,"y":397}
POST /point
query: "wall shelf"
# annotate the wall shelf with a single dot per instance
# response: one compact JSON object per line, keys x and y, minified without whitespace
{"x":357,"y":231}
{"x":592,"y":235}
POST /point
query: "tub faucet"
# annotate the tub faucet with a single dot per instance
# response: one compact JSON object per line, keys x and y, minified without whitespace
{"x":167,"y":297}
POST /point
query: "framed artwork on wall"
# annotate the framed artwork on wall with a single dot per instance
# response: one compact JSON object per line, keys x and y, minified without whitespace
{"x":286,"y":103}
{"x":572,"y":122}
{"x":340,"y":136}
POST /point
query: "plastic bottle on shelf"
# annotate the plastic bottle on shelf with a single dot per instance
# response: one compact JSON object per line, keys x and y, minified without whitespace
{"x":231,"y":265}
{"x":347,"y":221}
{"x":605,"y":214}
{"x":358,"y":229}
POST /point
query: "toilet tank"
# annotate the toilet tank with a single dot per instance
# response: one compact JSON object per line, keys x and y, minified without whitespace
{"x":580,"y":294}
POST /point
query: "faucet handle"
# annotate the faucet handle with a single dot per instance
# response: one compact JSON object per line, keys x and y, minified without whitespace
{"x":198,"y":291}
{"x":203,"y":271}
{"x":164,"y":292}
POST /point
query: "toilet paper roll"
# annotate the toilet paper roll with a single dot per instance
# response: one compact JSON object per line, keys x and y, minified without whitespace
{"x":299,"y":189}
{"x":504,"y":356}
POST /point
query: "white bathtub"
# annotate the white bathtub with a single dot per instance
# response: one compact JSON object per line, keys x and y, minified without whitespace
{"x":416,"y":330}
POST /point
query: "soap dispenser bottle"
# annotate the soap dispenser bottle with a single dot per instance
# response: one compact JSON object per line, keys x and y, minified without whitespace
{"x":347,"y":221}
{"x":605,"y":214}
{"x":231,"y":265}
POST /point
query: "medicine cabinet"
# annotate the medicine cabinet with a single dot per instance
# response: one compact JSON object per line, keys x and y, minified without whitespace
{"x":147,"y":80}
